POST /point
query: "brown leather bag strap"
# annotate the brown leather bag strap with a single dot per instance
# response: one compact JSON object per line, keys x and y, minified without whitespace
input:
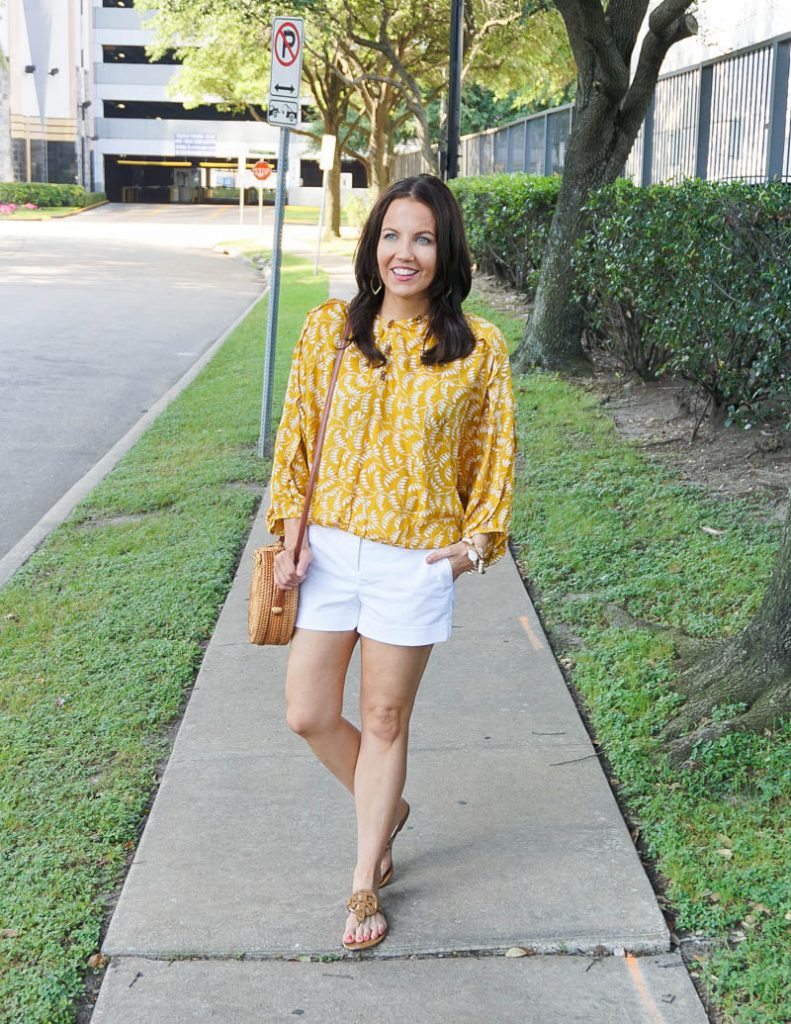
{"x":314,"y":469}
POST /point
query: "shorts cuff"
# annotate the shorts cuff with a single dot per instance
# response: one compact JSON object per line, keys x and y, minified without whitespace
{"x":404,"y":636}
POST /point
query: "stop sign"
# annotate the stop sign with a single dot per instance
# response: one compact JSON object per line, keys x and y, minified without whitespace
{"x":262,"y":170}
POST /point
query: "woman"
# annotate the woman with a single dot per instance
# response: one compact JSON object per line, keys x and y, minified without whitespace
{"x":414,"y":488}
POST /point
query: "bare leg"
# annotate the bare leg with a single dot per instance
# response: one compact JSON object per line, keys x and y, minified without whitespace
{"x":390,"y":678}
{"x":317,"y":666}
{"x":315,"y":677}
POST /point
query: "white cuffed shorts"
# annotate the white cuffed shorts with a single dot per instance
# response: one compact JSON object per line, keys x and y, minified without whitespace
{"x":386,"y":593}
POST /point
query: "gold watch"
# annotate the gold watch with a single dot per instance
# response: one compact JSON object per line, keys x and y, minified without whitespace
{"x":475,"y":555}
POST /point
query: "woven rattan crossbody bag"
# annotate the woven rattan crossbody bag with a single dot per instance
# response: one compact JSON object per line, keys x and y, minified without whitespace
{"x":272,"y":612}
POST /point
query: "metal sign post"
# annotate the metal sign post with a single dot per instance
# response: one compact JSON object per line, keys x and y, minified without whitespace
{"x":287,"y":37}
{"x":264,"y":442}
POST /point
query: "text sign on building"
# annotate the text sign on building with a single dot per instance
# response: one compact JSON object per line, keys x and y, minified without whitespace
{"x":287,"y":36}
{"x":196,"y":143}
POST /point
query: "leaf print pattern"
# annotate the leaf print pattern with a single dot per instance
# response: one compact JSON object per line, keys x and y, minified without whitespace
{"x":416,"y":456}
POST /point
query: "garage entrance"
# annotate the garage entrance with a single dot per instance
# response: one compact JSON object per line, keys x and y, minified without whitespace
{"x":189,"y":179}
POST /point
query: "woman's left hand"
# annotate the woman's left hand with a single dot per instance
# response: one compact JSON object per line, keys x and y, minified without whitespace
{"x":457,"y":556}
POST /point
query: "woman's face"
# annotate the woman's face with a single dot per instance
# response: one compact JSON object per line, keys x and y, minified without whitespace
{"x":407,"y":250}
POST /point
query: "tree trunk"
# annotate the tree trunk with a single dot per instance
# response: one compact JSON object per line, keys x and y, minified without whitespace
{"x":745,"y":682}
{"x":553,"y":335}
{"x":332,"y":216}
{"x":377,"y":148}
{"x":609,"y":110}
{"x":424,"y":134}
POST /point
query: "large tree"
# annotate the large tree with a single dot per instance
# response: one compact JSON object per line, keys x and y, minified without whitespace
{"x":746,"y":678}
{"x":411,"y":38}
{"x":610,"y":107}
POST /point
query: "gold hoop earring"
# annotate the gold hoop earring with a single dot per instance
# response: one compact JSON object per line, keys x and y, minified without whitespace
{"x":377,"y":289}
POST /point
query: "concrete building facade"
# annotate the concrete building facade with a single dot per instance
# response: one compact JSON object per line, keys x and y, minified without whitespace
{"x":47,"y":73}
{"x":87,"y":105}
{"x":148,"y":147}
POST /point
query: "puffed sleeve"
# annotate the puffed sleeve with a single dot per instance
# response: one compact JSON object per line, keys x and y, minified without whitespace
{"x":487,"y":455}
{"x":290,"y":468}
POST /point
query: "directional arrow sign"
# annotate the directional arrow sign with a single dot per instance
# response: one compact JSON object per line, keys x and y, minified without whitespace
{"x":287,"y":35}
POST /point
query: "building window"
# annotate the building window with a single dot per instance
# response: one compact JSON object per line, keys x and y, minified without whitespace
{"x":170,"y":111}
{"x":134,"y":55}
{"x":118,"y":3}
{"x":38,"y":160}
{"x":20,"y":159}
{"x":62,"y":162}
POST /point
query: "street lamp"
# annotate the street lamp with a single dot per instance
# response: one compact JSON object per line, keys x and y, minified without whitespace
{"x":454,"y":86}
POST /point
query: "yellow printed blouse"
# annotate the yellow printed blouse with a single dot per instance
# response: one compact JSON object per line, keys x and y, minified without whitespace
{"x":416,"y":456}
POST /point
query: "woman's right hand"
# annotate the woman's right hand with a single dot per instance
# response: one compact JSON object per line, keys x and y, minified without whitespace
{"x":287,"y":574}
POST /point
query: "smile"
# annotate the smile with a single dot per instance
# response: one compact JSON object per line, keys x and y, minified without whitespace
{"x":403,"y":273}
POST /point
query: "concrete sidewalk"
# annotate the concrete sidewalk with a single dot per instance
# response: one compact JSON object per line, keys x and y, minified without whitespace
{"x":514,"y":840}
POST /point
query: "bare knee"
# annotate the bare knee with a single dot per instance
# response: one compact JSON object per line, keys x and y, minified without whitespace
{"x":307,"y":721}
{"x":385,"y":722}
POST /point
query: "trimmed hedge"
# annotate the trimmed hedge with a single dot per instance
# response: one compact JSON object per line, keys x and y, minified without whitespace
{"x":691,"y":279}
{"x":45,"y":194}
{"x":695,"y":279}
{"x":507,"y":217}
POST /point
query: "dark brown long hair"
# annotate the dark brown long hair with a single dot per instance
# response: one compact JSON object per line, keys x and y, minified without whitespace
{"x":450,"y":286}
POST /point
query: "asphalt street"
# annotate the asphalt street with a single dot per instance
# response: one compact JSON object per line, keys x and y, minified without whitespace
{"x":100,"y":315}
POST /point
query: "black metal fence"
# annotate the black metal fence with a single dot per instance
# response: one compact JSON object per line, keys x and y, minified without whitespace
{"x":725,"y":119}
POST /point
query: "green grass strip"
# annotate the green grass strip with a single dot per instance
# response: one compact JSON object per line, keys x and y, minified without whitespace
{"x":102,"y":632}
{"x":101,"y":635}
{"x":598,"y":524}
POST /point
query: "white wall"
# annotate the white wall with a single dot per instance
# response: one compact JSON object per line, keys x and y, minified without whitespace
{"x":6,"y":164}
{"x":727,"y":25}
{"x":48,"y":39}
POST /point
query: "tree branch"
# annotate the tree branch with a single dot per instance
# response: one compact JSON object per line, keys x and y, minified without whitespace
{"x":660,"y":19}
{"x":478,"y":45}
{"x":652,"y":53}
{"x":590,"y":33}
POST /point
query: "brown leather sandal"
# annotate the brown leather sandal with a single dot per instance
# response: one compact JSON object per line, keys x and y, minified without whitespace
{"x":389,"y":873}
{"x":364,"y":903}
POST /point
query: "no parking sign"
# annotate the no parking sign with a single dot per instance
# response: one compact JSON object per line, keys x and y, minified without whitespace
{"x":284,"y":83}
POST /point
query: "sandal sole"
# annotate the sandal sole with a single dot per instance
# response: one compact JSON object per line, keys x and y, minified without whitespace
{"x":364,"y":945}
{"x":389,"y":873}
